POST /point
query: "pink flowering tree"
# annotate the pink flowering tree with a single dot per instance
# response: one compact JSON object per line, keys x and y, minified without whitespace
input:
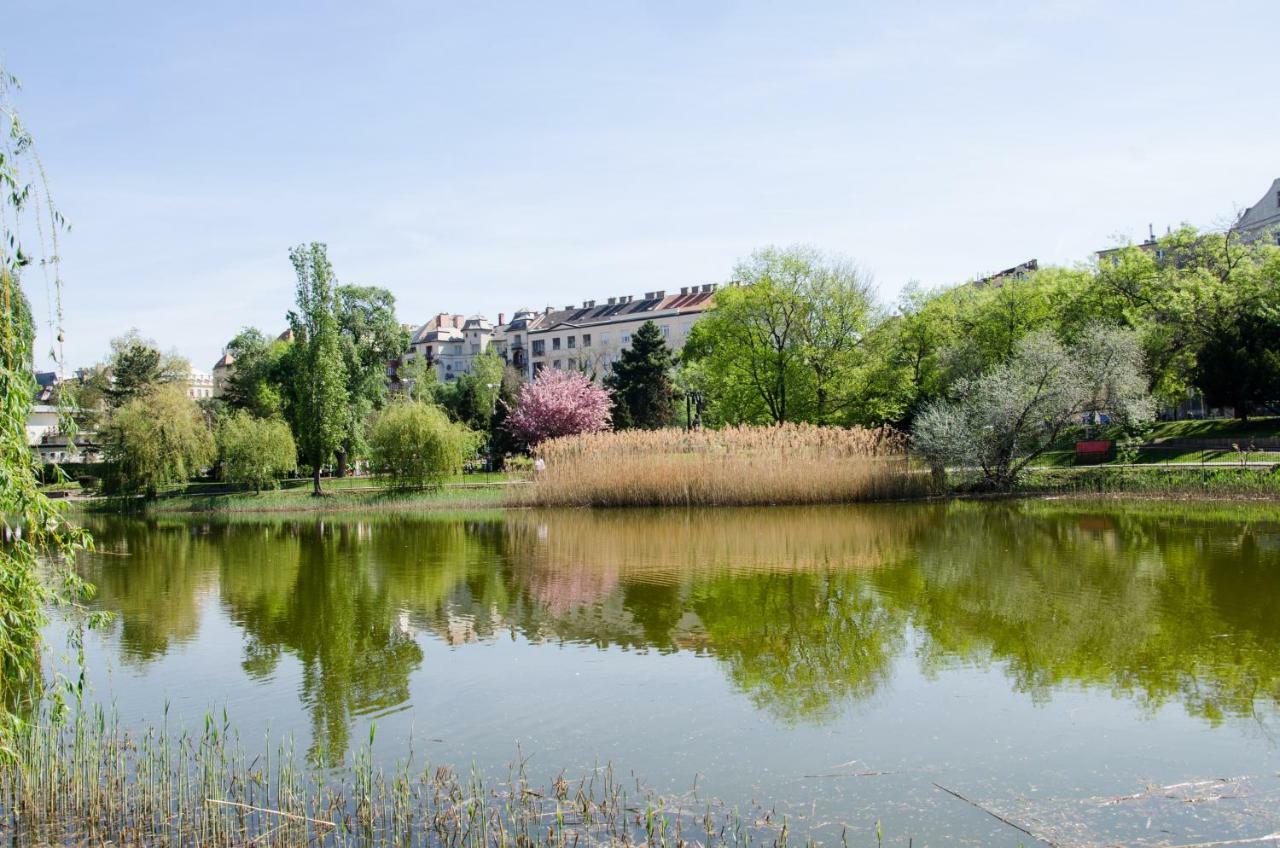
{"x":559,"y":403}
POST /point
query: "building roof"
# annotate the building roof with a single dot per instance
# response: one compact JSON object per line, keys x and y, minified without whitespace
{"x":1265,"y":213}
{"x":438,"y":321}
{"x":224,"y":361}
{"x":1017,"y":272}
{"x":624,"y":308}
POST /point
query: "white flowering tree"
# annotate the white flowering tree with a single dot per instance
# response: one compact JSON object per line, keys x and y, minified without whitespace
{"x":1000,"y":421}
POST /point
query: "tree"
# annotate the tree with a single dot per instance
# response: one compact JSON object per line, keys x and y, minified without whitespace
{"x":501,"y":442}
{"x":156,"y":439}
{"x":641,"y":381}
{"x":137,"y":364}
{"x":417,"y":378}
{"x":27,"y":588}
{"x":318,"y":398}
{"x":784,"y":342}
{"x":472,"y":398}
{"x":417,"y":444}
{"x":1239,"y":365}
{"x":258,"y":378}
{"x":370,"y":337}
{"x":255,"y":451}
{"x":1005,"y":418}
{"x":558,"y":403}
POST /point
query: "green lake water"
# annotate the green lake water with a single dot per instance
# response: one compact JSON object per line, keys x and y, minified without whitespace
{"x":837,"y":664}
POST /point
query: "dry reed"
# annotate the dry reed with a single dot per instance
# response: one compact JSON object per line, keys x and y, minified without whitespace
{"x":736,"y":466}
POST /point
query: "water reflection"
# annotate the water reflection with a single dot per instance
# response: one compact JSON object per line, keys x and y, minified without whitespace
{"x":806,"y":610}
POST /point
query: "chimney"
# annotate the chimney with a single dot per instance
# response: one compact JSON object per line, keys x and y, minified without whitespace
{"x":502,"y":319}
{"x":659,"y":295}
{"x":613,"y":301}
{"x":684,"y":290}
{"x":457,"y":322}
{"x":547,"y":311}
{"x":570,"y":306}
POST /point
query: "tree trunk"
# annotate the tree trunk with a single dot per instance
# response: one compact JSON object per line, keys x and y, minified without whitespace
{"x":939,"y":472}
{"x":342,"y":464}
{"x":315,"y":479}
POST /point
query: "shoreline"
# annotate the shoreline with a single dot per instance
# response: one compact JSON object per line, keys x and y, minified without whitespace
{"x":492,"y":498}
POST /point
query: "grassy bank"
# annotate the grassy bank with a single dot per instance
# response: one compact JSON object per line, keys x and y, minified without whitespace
{"x":90,"y":783}
{"x":1154,"y":481}
{"x":736,"y":466}
{"x":448,"y":497}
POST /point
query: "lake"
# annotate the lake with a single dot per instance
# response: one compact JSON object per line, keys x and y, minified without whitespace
{"x":1096,"y":674}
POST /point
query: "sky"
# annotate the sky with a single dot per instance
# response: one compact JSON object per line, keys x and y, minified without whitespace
{"x":480,"y":157}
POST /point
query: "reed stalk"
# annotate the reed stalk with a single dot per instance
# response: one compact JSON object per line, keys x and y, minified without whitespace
{"x":735,"y":466}
{"x":86,"y":781}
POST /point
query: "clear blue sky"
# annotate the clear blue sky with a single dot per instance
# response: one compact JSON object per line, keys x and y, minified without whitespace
{"x":478,"y":157}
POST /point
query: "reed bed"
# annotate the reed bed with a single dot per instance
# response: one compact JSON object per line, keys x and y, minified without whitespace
{"x":736,"y":466}
{"x":87,"y":782}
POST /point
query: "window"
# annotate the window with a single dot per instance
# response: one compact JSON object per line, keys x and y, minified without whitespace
{"x":555,"y":363}
{"x":586,"y":340}
{"x":666,"y":331}
{"x":539,"y":347}
{"x":475,"y":348}
{"x":626,"y":338}
{"x":457,"y":350}
{"x":573,"y":342}
{"x":555,"y":343}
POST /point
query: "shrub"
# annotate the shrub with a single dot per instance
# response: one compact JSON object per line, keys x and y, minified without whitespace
{"x":255,"y":451}
{"x":737,"y":466}
{"x":558,"y":403}
{"x":157,"y":439}
{"x":418,"y":445}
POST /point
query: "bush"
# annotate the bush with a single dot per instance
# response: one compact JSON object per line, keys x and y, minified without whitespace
{"x":255,"y":451}
{"x":157,"y":439}
{"x":417,"y":445}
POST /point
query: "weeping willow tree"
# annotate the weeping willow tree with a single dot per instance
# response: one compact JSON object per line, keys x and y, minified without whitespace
{"x":39,"y":543}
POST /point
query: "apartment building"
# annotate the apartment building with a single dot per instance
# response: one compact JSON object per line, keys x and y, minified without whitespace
{"x":450,"y":343}
{"x":590,"y":338}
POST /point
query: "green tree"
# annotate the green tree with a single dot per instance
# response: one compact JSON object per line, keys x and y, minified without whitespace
{"x":25,"y":590}
{"x":472,"y":398}
{"x":417,"y":378}
{"x":785,"y":342}
{"x":318,"y":398}
{"x":136,"y":365}
{"x":370,"y":337}
{"x":643,"y":394}
{"x":255,"y":451}
{"x":258,"y":376}
{"x":417,"y":444}
{"x":1239,"y":365}
{"x":156,"y":439}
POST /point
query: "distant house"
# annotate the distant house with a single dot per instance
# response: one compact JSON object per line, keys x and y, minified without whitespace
{"x":1262,"y":219}
{"x":42,"y":421}
{"x":200,"y":385}
{"x":222,"y":371}
{"x":1017,"y":272}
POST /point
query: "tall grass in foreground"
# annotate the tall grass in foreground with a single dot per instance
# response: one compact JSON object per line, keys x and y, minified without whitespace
{"x":87,"y":782}
{"x":736,"y":466}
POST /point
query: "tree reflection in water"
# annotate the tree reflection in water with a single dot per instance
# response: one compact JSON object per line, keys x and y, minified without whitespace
{"x":807,"y":609}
